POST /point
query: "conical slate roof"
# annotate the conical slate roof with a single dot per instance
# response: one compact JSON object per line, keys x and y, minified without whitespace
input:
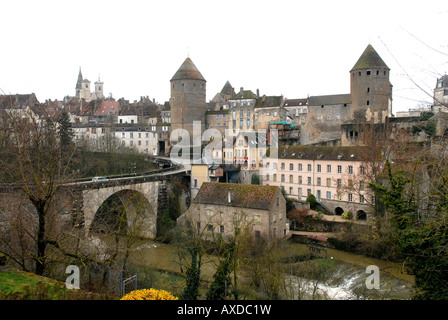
{"x":188,"y":71}
{"x":370,"y":59}
{"x":228,"y":89}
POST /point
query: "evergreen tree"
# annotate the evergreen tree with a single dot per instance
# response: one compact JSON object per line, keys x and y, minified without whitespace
{"x":221,"y":279}
{"x":193,"y":273}
{"x":65,"y":131}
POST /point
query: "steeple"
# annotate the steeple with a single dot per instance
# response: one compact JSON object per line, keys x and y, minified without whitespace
{"x":188,"y":71}
{"x":369,"y":59}
{"x":79,"y":82}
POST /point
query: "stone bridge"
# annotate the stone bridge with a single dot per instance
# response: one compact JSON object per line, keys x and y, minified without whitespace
{"x":78,"y":203}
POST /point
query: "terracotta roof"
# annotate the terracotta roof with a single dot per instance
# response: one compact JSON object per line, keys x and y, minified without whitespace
{"x":188,"y":71}
{"x":369,"y":59}
{"x":242,"y":195}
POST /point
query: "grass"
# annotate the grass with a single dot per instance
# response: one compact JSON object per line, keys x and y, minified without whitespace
{"x":26,"y":286}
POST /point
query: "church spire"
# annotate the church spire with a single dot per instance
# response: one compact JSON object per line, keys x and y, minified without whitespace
{"x":79,"y":82}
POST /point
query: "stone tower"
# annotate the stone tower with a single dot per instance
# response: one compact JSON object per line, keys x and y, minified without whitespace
{"x":441,"y":95}
{"x":99,"y":89}
{"x":370,"y":88}
{"x":188,"y":98}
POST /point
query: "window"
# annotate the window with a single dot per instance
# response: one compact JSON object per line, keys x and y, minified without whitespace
{"x":139,"y":135}
{"x":361,"y":199}
{"x":291,"y":190}
{"x":350,"y":197}
{"x":248,"y":113}
{"x":274,"y":177}
{"x":329,"y":195}
{"x":234,"y":114}
{"x":328,"y":168}
{"x":283,"y":178}
{"x":248,"y":123}
{"x":217,"y":116}
{"x":131,"y":135}
{"x":309,"y":168}
{"x":309,"y":181}
{"x":300,"y":180}
{"x":328,"y":182}
{"x":318,"y":181}
{"x":291,"y":166}
{"x":241,"y":123}
{"x":361,"y":185}
{"x":210,"y":227}
{"x":339,"y":169}
{"x":299,"y":192}
{"x":267,"y":176}
{"x":319,"y":168}
{"x":361,"y":170}
{"x":283,"y":166}
{"x":350,"y":169}
{"x":300,"y":167}
{"x":339,"y":183}
{"x":291,"y":178}
{"x":241,"y":113}
{"x":221,"y":229}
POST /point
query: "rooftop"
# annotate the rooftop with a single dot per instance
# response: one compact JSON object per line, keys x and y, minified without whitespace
{"x":188,"y":71}
{"x":242,"y":195}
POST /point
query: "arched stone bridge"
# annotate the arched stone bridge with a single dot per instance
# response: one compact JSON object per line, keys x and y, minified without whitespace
{"x":78,"y":203}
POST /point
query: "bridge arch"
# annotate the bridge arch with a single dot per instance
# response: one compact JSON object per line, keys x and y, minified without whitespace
{"x":135,"y":209}
{"x":338,"y":211}
{"x":124,"y":212}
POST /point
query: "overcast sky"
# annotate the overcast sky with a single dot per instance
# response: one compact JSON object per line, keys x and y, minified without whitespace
{"x":290,"y":48}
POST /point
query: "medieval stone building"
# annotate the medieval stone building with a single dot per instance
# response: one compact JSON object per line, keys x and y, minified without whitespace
{"x":188,"y":98}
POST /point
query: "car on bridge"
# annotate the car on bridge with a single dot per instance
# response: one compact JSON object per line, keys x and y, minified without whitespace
{"x":99,"y":179}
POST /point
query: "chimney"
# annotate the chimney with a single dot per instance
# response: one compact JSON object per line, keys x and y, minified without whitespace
{"x":258,"y":93}
{"x":241,"y":89}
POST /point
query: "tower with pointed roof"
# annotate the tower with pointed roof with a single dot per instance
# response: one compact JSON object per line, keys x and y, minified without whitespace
{"x":188,"y":98}
{"x":370,"y":88}
{"x":441,"y":94}
{"x":79,"y":84}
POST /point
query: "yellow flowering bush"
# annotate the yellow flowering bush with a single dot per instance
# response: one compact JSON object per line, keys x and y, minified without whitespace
{"x":149,"y":294}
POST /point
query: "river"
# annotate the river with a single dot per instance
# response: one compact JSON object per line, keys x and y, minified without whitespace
{"x":348,"y":279}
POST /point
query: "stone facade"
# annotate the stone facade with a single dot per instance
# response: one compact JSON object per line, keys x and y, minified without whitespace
{"x":219,"y":207}
{"x":188,"y":98}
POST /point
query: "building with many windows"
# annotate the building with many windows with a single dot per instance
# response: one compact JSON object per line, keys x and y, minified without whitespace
{"x":336,"y":176}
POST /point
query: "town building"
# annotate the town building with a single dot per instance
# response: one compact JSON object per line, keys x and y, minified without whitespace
{"x":220,"y":207}
{"x":337,"y":176}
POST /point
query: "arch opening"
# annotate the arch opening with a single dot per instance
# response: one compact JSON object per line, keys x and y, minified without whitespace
{"x":125,"y":212}
{"x":361,"y":215}
{"x":338,"y":211}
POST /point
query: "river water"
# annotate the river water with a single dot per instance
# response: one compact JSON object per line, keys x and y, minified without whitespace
{"x":347,"y":281}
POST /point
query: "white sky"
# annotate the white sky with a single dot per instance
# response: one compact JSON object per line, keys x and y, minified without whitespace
{"x":290,"y":48}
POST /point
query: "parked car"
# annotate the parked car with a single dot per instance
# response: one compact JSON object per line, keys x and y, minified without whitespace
{"x":99,"y":179}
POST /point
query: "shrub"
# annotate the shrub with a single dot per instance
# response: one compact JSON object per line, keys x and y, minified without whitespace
{"x":347,"y":215}
{"x":149,"y":294}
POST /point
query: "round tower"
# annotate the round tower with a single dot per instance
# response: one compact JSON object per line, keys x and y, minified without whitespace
{"x":188,"y":98}
{"x":370,"y":88}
